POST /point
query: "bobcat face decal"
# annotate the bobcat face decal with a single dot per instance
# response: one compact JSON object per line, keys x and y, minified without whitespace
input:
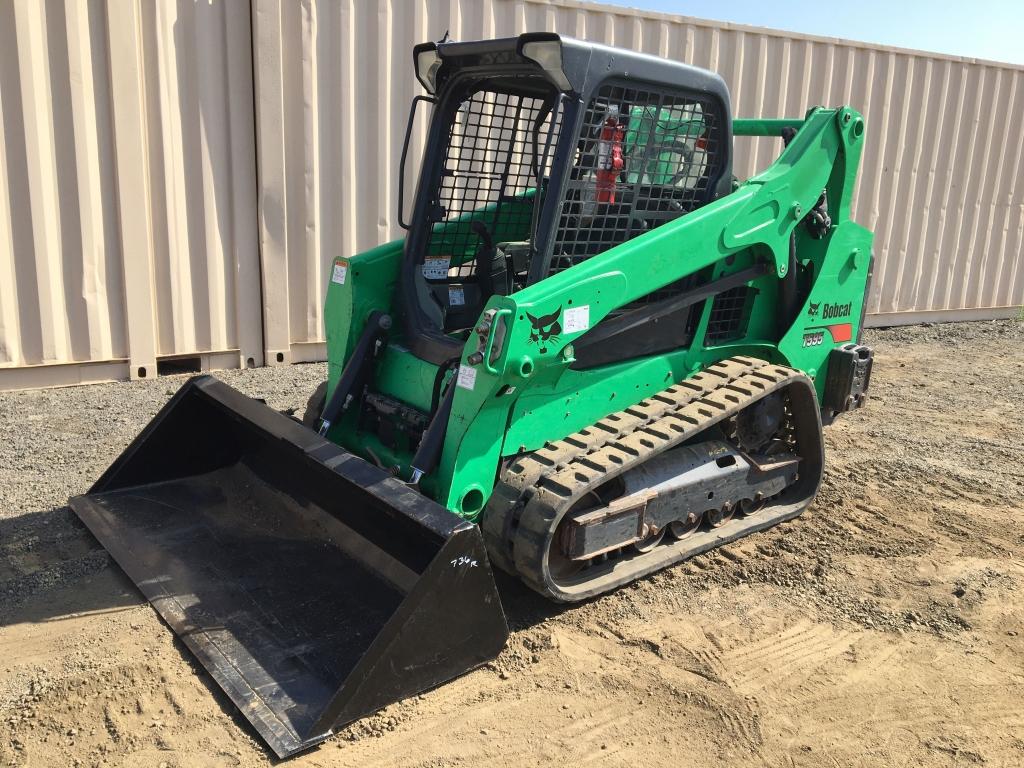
{"x":545,"y":328}
{"x":812,"y":310}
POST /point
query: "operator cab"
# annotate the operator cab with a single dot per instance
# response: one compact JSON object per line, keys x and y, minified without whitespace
{"x":541,"y":154}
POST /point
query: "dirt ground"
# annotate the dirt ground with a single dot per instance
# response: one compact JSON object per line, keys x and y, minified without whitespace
{"x":884,"y":627}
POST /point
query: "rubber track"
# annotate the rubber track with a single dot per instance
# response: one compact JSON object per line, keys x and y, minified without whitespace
{"x":536,"y":489}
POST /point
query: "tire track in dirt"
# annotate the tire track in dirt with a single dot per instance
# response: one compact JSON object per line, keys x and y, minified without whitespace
{"x":888,"y":615}
{"x":797,"y":652}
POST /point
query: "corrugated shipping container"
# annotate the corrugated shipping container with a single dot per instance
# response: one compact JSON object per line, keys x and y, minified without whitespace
{"x":133,"y":228}
{"x":940,"y":181}
{"x":128,"y":228}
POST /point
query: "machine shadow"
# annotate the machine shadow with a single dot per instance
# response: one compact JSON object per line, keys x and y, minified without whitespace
{"x":523,"y":607}
{"x":51,"y":566}
{"x":45,"y":557}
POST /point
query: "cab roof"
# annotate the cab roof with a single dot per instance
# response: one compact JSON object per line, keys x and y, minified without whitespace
{"x":573,"y":66}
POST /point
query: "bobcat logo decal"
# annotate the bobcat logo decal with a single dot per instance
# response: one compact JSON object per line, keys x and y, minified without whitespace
{"x":830,"y":311}
{"x":545,"y":329}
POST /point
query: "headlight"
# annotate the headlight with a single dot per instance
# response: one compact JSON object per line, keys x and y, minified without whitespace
{"x":548,"y":53}
{"x":427,"y":63}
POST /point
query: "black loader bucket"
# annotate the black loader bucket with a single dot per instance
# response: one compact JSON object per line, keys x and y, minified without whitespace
{"x":312,"y":585}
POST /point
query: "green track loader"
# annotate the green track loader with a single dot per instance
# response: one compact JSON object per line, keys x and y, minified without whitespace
{"x":594,"y":354}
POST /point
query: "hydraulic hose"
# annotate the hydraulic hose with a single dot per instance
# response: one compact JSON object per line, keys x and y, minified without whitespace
{"x":428,"y":454}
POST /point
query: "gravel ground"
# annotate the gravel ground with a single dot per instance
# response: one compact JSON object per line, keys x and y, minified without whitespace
{"x":56,"y":442}
{"x":882,"y":627}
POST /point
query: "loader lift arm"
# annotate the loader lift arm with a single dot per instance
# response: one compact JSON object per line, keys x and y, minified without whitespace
{"x":758,"y":219}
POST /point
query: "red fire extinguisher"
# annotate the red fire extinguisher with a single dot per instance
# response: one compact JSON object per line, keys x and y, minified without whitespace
{"x":609,"y":155}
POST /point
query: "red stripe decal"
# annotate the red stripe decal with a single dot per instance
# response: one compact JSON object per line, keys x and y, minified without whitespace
{"x":841,"y":332}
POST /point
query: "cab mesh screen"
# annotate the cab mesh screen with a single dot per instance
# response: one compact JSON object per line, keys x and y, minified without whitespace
{"x":487,"y":172}
{"x":644,"y":156}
